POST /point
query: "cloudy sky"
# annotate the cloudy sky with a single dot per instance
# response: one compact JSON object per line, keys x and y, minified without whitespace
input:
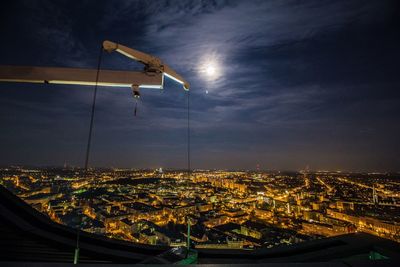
{"x":283,"y":84}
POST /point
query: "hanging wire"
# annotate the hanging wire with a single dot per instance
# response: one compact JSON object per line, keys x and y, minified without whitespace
{"x":136,"y":102}
{"x":188,"y":169}
{"x":78,"y":229}
{"x":93,"y":109}
{"x":188,"y":135}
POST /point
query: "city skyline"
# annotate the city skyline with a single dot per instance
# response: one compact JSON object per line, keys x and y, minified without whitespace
{"x":255,"y":169}
{"x":226,"y":209}
{"x":280,"y":85}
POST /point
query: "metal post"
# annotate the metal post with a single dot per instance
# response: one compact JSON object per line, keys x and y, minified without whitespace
{"x":188,"y":238}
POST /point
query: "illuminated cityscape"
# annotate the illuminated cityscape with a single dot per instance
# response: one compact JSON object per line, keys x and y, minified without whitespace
{"x":217,"y":132}
{"x":226,"y":209}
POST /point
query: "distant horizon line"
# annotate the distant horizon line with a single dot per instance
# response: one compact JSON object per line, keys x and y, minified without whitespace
{"x":193,"y":169}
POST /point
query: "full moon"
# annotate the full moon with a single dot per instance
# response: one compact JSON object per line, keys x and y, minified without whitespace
{"x":210,"y":69}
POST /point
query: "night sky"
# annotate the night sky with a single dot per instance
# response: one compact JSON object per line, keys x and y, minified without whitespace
{"x":282,"y":84}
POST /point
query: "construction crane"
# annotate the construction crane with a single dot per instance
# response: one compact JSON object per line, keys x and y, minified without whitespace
{"x":152,"y":75}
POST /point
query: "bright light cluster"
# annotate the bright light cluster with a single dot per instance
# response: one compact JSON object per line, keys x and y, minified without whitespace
{"x":210,"y":68}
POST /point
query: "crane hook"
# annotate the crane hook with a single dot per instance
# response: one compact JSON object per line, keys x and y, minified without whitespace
{"x":136,"y":96}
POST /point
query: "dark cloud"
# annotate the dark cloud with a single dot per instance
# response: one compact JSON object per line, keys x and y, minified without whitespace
{"x":299,"y":83}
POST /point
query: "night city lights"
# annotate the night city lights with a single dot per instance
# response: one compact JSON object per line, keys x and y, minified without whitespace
{"x":217,"y":132}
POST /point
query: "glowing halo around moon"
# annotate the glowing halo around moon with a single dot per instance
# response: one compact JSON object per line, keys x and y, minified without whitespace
{"x":210,"y":69}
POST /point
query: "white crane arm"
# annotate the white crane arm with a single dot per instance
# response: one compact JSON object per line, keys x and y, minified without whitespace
{"x":153,"y":64}
{"x":151,"y":77}
{"x":52,"y":75}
